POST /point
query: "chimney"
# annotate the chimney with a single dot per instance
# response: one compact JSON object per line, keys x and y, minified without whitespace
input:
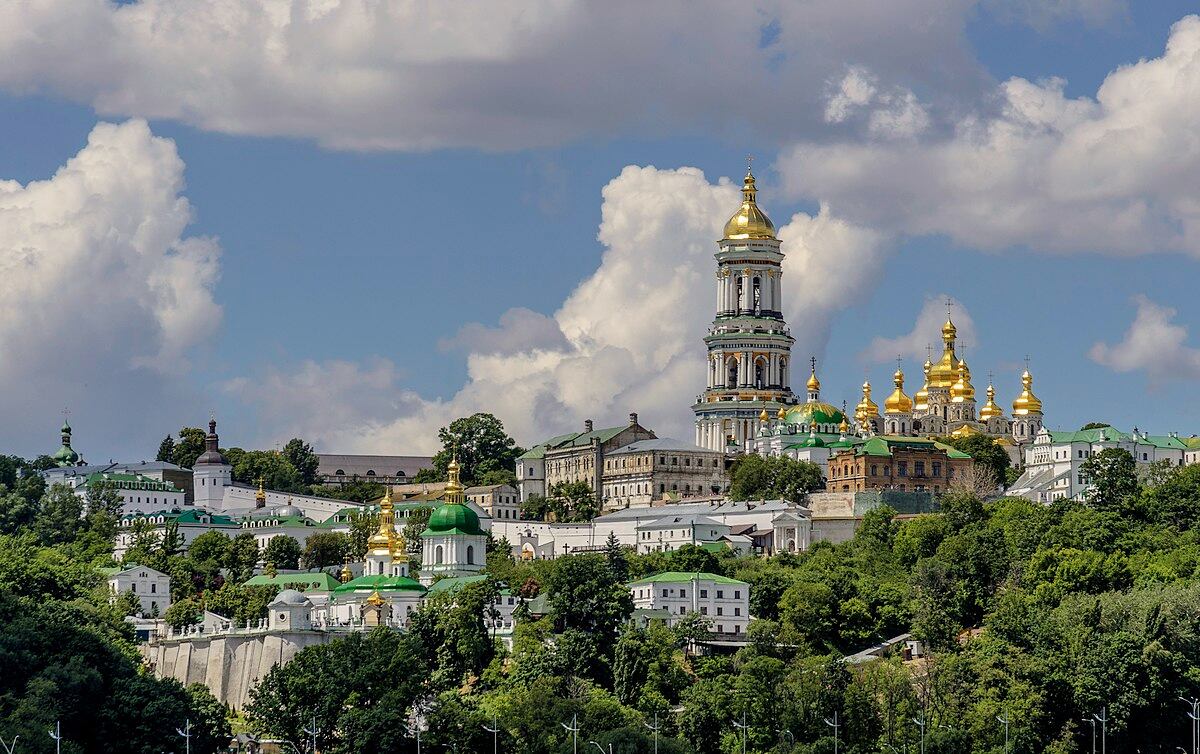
{"x":587,"y":425}
{"x":632,"y":418}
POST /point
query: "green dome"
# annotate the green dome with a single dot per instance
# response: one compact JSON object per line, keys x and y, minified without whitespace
{"x":453,"y":518}
{"x":812,"y":441}
{"x":814,"y":412}
{"x":65,"y":456}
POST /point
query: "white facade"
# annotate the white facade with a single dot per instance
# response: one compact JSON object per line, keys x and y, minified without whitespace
{"x":152,"y":588}
{"x":723,"y":602}
{"x":672,"y":532}
{"x":188,"y":524}
{"x":500,"y":501}
{"x":531,"y":474}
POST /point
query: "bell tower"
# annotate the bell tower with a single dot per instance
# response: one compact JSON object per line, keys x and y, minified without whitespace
{"x":749,"y":344}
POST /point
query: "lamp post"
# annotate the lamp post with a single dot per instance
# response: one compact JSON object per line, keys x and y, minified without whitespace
{"x":56,"y":734}
{"x":186,"y":735}
{"x":1194,"y":714}
{"x":1004,"y":719}
{"x":9,"y":748}
{"x":920,"y":721}
{"x":656,"y":727}
{"x":601,"y":748}
{"x":574,"y":728}
{"x":1102,"y":718}
{"x":1092,"y":720}
{"x":495,"y":731}
{"x":311,"y":731}
{"x":742,"y":728}
{"x":835,"y":726}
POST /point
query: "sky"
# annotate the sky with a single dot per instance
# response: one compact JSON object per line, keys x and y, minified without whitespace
{"x":356,"y":221}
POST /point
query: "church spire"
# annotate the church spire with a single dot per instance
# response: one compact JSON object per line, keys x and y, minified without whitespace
{"x":454,"y":488}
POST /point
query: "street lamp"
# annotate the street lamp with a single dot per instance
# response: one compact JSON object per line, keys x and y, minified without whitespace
{"x":186,"y":735}
{"x":1092,"y":720}
{"x":742,"y":728}
{"x":835,"y":726}
{"x":1004,"y":719}
{"x":311,"y":730}
{"x":9,"y":748}
{"x":1194,"y":714}
{"x":56,"y":734}
{"x":601,"y":748}
{"x":495,"y":731}
{"x":574,"y":728}
{"x":656,"y":727}
{"x":921,"y":723}
{"x":1102,"y":718}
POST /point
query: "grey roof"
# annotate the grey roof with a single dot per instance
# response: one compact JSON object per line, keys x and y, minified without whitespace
{"x":707,"y":508}
{"x":359,"y":465}
{"x":141,"y":467}
{"x":684,"y":521}
{"x":662,"y":443}
{"x":489,"y":488}
{"x":290,"y":597}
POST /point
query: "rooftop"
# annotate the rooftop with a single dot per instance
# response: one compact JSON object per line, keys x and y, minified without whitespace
{"x":662,"y":443}
{"x":682,"y":577}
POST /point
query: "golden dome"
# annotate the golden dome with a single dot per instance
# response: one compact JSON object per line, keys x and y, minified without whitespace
{"x":260,"y":497}
{"x":454,"y":488}
{"x":921,"y":397}
{"x":965,"y":430}
{"x":1027,"y":403}
{"x":813,"y":384}
{"x":844,"y":427}
{"x":866,"y":408}
{"x":898,"y":402}
{"x":962,"y":390}
{"x":945,"y":373}
{"x":749,"y":221}
{"x":990,"y":410}
{"x":781,"y":414}
{"x":385,"y":537}
{"x":763,"y":415}
{"x":346,"y":574}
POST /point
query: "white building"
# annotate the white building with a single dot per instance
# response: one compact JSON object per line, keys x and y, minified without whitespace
{"x":1054,"y":461}
{"x":152,"y":588}
{"x":188,"y":524}
{"x":722,"y":601}
{"x":138,"y":493}
{"x":453,"y":543}
{"x":672,"y":532}
{"x":500,"y":501}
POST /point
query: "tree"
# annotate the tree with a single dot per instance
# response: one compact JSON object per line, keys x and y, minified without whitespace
{"x":16,"y":513}
{"x":986,"y":453}
{"x":754,"y":477}
{"x":450,"y":627}
{"x":1094,"y":425}
{"x":356,"y":490}
{"x":59,"y":517}
{"x":481,"y":445}
{"x":573,"y":501}
{"x":535,"y":507}
{"x":325,"y":549}
{"x":273,"y":468}
{"x":302,"y":458}
{"x":584,"y":595}
{"x":1112,"y":474}
{"x":166,"y":449}
{"x":283,"y":552}
{"x":184,"y":612}
{"x":239,"y":602}
{"x":189,"y":447}
{"x":243,"y":557}
{"x":415,"y":523}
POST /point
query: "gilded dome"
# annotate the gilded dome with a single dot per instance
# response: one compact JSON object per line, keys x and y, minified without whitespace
{"x":1027,"y":403}
{"x":944,"y":373}
{"x":749,"y":221}
{"x":962,"y":390}
{"x":990,"y":410}
{"x":921,"y":397}
{"x":814,"y":412}
{"x":763,"y":415}
{"x":813,"y":384}
{"x":898,"y":402}
{"x":866,"y":409}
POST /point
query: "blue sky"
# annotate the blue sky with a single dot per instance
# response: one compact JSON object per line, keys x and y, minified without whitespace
{"x":340,"y":259}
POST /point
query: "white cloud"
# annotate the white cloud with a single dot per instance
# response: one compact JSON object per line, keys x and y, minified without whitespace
{"x":101,"y":294}
{"x":926,"y":332}
{"x":628,"y":338}
{"x":1114,"y":174}
{"x":891,"y":114}
{"x":1152,"y":344}
{"x":361,"y":74}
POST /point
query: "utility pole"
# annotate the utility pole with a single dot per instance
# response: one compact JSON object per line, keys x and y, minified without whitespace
{"x":56,"y":734}
{"x":186,"y":735}
{"x":1195,"y":717}
{"x":1004,"y":719}
{"x":1102,"y":718}
{"x":574,"y":728}
{"x":495,"y":731}
{"x":835,"y":726}
{"x":654,"y":728}
{"x":920,"y":721}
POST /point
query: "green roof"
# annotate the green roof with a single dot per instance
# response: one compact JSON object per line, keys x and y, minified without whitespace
{"x":192,"y":516}
{"x":715,"y":547}
{"x":379,"y":584}
{"x":454,"y":583}
{"x":882,"y":445}
{"x":681,"y":577}
{"x":316,"y":581}
{"x":453,"y":518}
{"x":278,"y":520}
{"x":1112,"y":434}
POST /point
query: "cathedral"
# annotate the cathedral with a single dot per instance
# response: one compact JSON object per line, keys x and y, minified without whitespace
{"x":748,"y":404}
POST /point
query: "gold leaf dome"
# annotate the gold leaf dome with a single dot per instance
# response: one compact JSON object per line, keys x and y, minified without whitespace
{"x":898,"y":402}
{"x":921,"y":397}
{"x":749,"y":221}
{"x":866,"y":409}
{"x":962,"y":390}
{"x":385,"y":537}
{"x":945,"y":373}
{"x":813,"y":384}
{"x":763,"y":415}
{"x":1027,"y":403}
{"x":990,"y":410}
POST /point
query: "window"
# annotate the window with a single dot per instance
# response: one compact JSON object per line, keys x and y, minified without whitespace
{"x":737,"y":611}
{"x":471,"y":554}
{"x":720,"y":611}
{"x":682,"y":592}
{"x":703,"y":594}
{"x":902,"y":468}
{"x":737,"y":594}
{"x":920,"y":468}
{"x":720,"y":594}
{"x":682,"y":609}
{"x":664,"y":592}
{"x":703,"y":610}
{"x":437,"y":554}
{"x":937,"y":469}
{"x":874,"y":470}
{"x":153,"y":588}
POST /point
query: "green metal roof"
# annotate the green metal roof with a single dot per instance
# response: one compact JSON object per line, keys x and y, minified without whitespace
{"x":680,"y":577}
{"x":453,"y":518}
{"x":454,"y":583}
{"x":316,"y":581}
{"x":185,"y":517}
{"x":882,"y":445}
{"x":379,"y":584}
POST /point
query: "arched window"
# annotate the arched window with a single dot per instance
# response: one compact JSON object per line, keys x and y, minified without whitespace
{"x":370,"y":472}
{"x":400,"y":472}
{"x":756,"y":304}
{"x":471,"y":554}
{"x":339,"y":472}
{"x":437,"y":554}
{"x":783,"y":380}
{"x":759,"y":374}
{"x":732,"y":378}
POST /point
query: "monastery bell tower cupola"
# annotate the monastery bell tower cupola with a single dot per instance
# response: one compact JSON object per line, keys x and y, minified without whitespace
{"x":749,"y":344}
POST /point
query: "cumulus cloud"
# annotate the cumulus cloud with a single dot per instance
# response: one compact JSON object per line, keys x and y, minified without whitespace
{"x":628,"y":338}
{"x":891,"y":114}
{"x":1153,"y":344}
{"x":476,"y":73}
{"x":1115,"y":173}
{"x":102,"y":296}
{"x":926,"y":332}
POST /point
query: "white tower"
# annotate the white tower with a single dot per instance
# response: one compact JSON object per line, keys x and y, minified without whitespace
{"x":1027,"y":412}
{"x":211,"y":473}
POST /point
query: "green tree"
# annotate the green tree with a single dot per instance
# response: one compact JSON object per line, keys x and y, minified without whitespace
{"x":450,"y":628}
{"x":1094,"y":425}
{"x":184,"y":612}
{"x":302,"y":458}
{"x":573,"y":501}
{"x":189,"y":447}
{"x":1112,"y":474}
{"x":584,"y":596}
{"x":243,"y":557}
{"x":59,"y":517}
{"x":16,"y":513}
{"x":283,"y":552}
{"x":239,"y":602}
{"x":357,"y":490}
{"x":754,"y":477}
{"x":481,"y":444}
{"x":166,"y":449}
{"x":273,"y":468}
{"x":325,"y":549}
{"x":535,"y":507}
